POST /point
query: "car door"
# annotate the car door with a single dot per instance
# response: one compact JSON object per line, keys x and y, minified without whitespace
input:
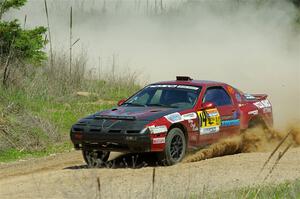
{"x":228,"y":112}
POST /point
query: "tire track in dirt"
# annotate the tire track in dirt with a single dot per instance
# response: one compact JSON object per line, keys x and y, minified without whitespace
{"x":222,"y":173}
{"x":45,"y":164}
{"x":64,"y":175}
{"x":25,"y":167}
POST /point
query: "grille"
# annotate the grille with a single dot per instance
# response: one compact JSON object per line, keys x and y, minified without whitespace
{"x":95,"y":130}
{"x":132,"y":131}
{"x":78,"y":129}
{"x":114,"y":131}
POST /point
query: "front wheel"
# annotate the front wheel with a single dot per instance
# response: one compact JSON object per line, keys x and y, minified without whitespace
{"x":175,"y":148}
{"x":95,"y":158}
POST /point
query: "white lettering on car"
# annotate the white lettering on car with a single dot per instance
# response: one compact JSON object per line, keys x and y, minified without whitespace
{"x":255,"y":112}
{"x":158,"y":129}
{"x":159,"y":140}
{"x":209,"y":130}
{"x":262,"y":104}
{"x":193,"y":125}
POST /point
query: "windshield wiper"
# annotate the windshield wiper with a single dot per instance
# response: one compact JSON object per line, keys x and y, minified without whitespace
{"x":162,"y":105}
{"x":134,"y":104}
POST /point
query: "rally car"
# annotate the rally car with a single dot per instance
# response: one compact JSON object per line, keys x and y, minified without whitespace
{"x":168,"y":118}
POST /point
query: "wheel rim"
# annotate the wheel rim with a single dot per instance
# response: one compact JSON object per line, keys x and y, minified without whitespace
{"x":176,"y":148}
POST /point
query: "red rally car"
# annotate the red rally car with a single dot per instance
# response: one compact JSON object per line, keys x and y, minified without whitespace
{"x":169,"y":118}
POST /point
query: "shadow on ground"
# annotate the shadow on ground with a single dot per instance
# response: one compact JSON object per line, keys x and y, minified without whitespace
{"x":130,"y":160}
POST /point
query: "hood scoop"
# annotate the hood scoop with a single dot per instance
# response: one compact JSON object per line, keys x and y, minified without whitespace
{"x":154,"y":111}
{"x":115,"y":117}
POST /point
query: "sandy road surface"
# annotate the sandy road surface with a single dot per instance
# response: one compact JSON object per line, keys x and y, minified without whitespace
{"x":63,"y":176}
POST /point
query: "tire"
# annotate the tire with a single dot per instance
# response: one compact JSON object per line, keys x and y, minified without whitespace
{"x":95,"y":158}
{"x":175,"y":148}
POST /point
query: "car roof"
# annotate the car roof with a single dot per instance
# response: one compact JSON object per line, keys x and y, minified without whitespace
{"x":191,"y":82}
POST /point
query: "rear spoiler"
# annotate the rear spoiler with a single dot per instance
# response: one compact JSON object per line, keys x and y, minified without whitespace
{"x":260,"y":96}
{"x":255,"y":96}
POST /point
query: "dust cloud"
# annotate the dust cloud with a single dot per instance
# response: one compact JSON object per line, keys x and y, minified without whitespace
{"x":253,"y":140}
{"x":253,"y":45}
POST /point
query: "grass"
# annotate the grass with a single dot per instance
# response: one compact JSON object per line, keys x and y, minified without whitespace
{"x":46,"y":114}
{"x":10,"y":155}
{"x":41,"y":104}
{"x":283,"y":190}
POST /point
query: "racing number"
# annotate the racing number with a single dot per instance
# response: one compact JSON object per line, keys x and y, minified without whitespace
{"x":209,"y":121}
{"x":209,"y":118}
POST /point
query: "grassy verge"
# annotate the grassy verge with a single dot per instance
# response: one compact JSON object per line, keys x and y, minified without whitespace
{"x":10,"y":155}
{"x":283,"y":190}
{"x":40,"y":105}
{"x":34,"y":127}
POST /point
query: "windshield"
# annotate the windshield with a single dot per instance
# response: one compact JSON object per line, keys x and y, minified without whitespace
{"x":172,"y":96}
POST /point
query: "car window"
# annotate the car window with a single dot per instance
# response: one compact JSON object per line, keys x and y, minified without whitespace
{"x":156,"y":97}
{"x":218,"y":96}
{"x":142,"y":99}
{"x":176,"y":96}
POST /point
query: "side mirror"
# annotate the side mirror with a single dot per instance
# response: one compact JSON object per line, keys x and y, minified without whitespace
{"x":121,"y":102}
{"x":208,"y":105}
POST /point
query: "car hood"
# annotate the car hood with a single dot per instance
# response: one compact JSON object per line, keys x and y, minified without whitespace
{"x":136,"y":113}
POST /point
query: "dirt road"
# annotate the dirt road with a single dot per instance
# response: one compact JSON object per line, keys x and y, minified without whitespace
{"x":64,"y":176}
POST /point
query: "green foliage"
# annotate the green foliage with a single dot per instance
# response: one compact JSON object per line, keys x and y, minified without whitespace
{"x":5,"y":5}
{"x":17,"y":45}
{"x":26,"y":44}
{"x":296,"y":3}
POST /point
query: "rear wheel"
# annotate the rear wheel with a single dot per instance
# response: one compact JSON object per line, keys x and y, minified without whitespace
{"x":95,"y":158}
{"x":175,"y":148}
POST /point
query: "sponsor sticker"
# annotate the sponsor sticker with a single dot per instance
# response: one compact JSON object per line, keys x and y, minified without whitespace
{"x":262,"y":104}
{"x":174,"y":117}
{"x":235,"y":122}
{"x":174,"y":86}
{"x":255,"y":112}
{"x":158,"y":129}
{"x":230,"y":89}
{"x":249,"y":96}
{"x":266,"y":103}
{"x":188,"y":87}
{"x":209,"y":118}
{"x":193,"y":125}
{"x":163,"y":86}
{"x":189,"y":116}
{"x":258,"y":105}
{"x":209,"y":130}
{"x":209,"y":121}
{"x":159,"y":140}
{"x":212,"y":113}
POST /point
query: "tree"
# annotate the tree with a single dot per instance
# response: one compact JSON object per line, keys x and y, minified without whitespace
{"x":17,"y":44}
{"x":296,"y":2}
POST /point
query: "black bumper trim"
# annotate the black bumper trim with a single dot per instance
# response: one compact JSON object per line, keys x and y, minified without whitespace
{"x":112,"y":142}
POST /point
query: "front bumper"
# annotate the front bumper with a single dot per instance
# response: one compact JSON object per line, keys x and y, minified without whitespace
{"x":121,"y":136}
{"x":110,"y":142}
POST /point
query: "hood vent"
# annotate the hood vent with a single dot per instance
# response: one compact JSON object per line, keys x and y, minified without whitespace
{"x":115,"y":117}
